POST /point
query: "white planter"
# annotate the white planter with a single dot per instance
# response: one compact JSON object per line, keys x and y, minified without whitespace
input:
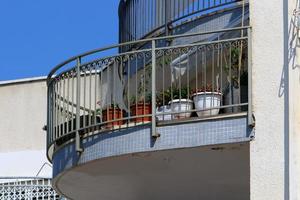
{"x":206,"y":100}
{"x":180,"y":105}
{"x":165,"y":110}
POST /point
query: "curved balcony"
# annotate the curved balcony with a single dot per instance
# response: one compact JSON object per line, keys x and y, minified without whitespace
{"x":159,"y":85}
{"x":182,"y":91}
{"x":142,"y":19}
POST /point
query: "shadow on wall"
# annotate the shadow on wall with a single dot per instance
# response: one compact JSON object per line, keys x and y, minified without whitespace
{"x":291,"y":43}
{"x":294,"y":41}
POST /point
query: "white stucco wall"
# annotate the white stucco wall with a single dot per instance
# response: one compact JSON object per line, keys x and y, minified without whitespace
{"x":275,"y":89}
{"x":24,"y":164}
{"x":22,"y":117}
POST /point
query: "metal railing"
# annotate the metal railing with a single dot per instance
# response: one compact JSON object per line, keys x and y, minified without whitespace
{"x":139,"y":18}
{"x":163,"y":83}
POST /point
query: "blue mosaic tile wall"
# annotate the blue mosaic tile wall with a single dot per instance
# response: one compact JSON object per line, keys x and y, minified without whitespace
{"x":138,"y":139}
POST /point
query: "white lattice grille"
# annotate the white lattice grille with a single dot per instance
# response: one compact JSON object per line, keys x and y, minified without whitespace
{"x":29,"y":189}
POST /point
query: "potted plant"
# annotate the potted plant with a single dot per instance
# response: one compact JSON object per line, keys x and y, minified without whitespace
{"x":141,"y":106}
{"x":206,"y":98}
{"x":111,"y":113}
{"x":180,"y":102}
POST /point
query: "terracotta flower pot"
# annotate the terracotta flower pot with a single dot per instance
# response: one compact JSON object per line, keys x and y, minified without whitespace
{"x":141,"y":109}
{"x":112,"y":114}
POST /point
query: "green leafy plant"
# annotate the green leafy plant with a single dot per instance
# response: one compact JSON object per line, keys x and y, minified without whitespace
{"x":164,"y":97}
{"x":233,"y":68}
{"x":144,"y":91}
{"x":181,"y":93}
{"x":206,"y":88}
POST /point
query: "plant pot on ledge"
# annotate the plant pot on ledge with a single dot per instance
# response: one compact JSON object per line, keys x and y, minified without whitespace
{"x":181,"y":103}
{"x":139,"y":109}
{"x":113,"y":113}
{"x":207,"y":98}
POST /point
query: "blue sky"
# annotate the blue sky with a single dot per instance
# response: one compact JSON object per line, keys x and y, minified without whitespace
{"x":35,"y":35}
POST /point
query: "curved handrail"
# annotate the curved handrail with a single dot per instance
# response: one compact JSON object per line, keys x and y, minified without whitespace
{"x":74,"y":58}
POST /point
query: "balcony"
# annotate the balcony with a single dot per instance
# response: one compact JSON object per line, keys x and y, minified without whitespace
{"x":177,"y":92}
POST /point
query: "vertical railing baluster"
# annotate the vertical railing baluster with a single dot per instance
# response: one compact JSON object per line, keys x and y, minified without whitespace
{"x":250,"y":119}
{"x":95,"y":97}
{"x":84,"y":97}
{"x":49,"y":109}
{"x":203,"y":71}
{"x":77,"y":136}
{"x":153,"y":89}
{"x":221,"y":68}
{"x":230,"y":79}
{"x":72,"y":108}
{"x":60,"y":108}
{"x":56,"y":109}
{"x":68,"y":103}
{"x":114,"y":116}
{"x":53,"y":110}
{"x":63,"y":106}
{"x":196,"y":69}
{"x":163,"y":84}
{"x":50,"y":112}
{"x":213,"y":90}
{"x":188,"y":75}
{"x":193,"y":6}
{"x":171,"y":82}
{"x":108,"y":107}
{"x":179,"y":87}
{"x":137,"y":94}
{"x":128,"y":89}
{"x":144,"y":88}
{"x":122,"y":81}
{"x":101,"y":93}
{"x":90,"y":96}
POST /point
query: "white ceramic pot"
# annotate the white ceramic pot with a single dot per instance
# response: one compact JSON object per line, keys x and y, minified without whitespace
{"x":165,"y":110}
{"x":179,"y":105}
{"x":206,"y":100}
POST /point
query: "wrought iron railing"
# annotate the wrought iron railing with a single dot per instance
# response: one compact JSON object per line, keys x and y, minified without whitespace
{"x":27,"y":188}
{"x":140,"y":18}
{"x":103,"y":90}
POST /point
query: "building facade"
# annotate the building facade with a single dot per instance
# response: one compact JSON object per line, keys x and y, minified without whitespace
{"x":25,"y":172}
{"x":200,"y":100}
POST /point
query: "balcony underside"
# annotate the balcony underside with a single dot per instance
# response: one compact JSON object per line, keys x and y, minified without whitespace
{"x":134,"y":149}
{"x":215,"y":172}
